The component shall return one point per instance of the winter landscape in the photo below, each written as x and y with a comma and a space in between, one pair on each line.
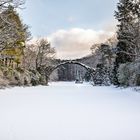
70, 70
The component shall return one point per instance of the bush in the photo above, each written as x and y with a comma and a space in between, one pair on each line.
129, 74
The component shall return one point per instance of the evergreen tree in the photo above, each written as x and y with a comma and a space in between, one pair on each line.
128, 14
13, 36
125, 46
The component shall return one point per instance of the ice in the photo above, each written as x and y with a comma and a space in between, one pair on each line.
69, 111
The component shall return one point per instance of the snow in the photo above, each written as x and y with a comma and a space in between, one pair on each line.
68, 111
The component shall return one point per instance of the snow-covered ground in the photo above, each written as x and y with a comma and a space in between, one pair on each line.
68, 111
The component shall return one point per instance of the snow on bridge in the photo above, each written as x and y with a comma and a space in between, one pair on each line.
50, 69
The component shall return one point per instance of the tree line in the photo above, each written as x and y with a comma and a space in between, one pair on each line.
117, 60
20, 63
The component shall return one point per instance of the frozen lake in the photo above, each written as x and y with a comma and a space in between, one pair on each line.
69, 111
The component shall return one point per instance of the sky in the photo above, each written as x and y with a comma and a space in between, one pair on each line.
71, 26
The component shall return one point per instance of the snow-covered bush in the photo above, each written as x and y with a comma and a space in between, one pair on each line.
20, 77
129, 74
3, 82
101, 76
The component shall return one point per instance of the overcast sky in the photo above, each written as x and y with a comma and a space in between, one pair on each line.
72, 26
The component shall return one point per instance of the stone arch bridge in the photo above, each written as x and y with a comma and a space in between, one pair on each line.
50, 69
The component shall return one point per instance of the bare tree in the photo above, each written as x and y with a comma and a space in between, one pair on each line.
4, 4
45, 53
29, 60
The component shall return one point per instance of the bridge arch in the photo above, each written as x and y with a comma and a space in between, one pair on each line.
89, 69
